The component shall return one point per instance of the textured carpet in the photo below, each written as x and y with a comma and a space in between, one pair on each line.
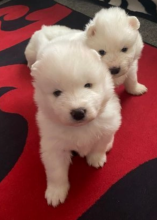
142, 8
125, 188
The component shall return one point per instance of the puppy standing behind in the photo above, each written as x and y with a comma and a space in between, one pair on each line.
114, 35
77, 110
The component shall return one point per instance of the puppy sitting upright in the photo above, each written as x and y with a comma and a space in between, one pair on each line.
77, 110
114, 35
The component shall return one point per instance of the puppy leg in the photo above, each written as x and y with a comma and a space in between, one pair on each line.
56, 162
131, 84
110, 145
97, 157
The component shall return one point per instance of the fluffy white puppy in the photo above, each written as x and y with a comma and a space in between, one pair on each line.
114, 35
77, 110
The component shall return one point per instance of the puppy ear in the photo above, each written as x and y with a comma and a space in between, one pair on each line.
34, 69
134, 22
90, 29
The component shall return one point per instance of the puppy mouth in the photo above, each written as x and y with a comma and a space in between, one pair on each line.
78, 124
118, 75
81, 123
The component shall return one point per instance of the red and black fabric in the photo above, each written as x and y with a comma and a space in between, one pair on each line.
125, 188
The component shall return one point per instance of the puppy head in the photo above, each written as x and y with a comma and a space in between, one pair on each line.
115, 36
71, 83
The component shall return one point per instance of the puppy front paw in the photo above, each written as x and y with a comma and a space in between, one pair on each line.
56, 194
139, 89
96, 159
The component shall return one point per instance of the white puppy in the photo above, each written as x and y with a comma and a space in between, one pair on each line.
114, 35
77, 110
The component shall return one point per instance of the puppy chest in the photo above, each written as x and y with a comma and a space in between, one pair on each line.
81, 143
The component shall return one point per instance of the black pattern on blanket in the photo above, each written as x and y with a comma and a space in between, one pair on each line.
142, 8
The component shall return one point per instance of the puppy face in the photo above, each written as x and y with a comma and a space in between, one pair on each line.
115, 36
71, 84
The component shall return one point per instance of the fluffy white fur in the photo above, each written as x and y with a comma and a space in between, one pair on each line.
69, 76
112, 31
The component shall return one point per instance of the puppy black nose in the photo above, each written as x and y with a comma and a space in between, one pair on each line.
78, 114
114, 70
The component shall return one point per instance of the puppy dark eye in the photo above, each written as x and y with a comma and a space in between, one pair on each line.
88, 85
124, 49
57, 93
102, 52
